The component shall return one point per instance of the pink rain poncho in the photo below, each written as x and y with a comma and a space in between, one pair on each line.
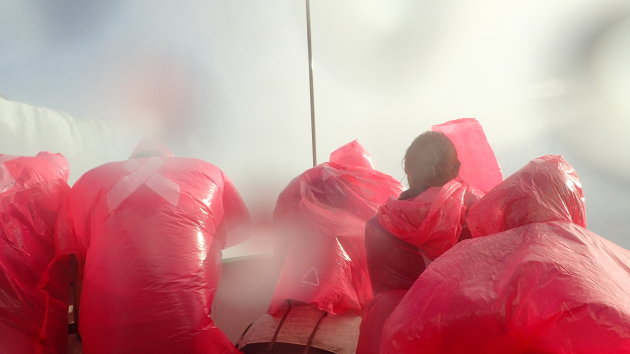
433, 221
407, 234
536, 282
34, 289
150, 232
325, 261
479, 166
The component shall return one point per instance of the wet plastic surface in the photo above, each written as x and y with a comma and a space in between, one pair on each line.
402, 240
33, 290
432, 221
479, 166
408, 233
540, 283
328, 207
150, 233
547, 189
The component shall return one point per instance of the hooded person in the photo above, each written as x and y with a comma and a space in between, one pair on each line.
532, 279
427, 219
149, 233
323, 282
34, 286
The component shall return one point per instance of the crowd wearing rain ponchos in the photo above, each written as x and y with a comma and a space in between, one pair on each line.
460, 262
532, 279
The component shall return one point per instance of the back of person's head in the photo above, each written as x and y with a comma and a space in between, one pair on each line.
151, 148
430, 161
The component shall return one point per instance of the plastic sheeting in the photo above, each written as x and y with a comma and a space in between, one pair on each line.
542, 284
479, 166
404, 237
328, 207
33, 291
150, 233
547, 189
433, 220
407, 234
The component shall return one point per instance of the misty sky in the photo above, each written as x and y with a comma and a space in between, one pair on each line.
229, 82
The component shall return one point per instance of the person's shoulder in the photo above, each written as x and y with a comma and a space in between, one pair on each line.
192, 163
374, 227
189, 166
100, 173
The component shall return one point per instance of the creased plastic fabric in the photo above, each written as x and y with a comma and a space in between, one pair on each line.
547, 189
408, 233
432, 221
33, 301
402, 240
541, 284
479, 166
150, 233
329, 204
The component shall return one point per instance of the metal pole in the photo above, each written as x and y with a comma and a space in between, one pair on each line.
310, 81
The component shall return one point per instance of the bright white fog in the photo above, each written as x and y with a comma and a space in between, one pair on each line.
227, 81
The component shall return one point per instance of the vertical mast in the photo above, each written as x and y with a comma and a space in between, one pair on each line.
310, 81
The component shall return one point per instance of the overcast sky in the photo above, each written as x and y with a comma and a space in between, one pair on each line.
228, 80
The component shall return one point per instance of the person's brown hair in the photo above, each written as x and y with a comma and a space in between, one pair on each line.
430, 161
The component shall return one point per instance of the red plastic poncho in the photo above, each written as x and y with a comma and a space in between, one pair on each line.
325, 261
150, 231
479, 166
404, 237
407, 234
432, 221
542, 284
33, 302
